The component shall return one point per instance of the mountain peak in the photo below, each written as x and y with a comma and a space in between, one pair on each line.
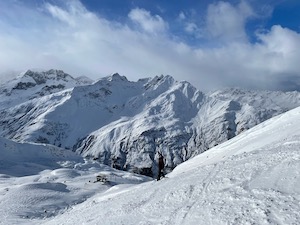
36, 83
162, 80
41, 77
117, 77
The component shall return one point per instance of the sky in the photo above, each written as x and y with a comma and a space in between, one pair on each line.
211, 44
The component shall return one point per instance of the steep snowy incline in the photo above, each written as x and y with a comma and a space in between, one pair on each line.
252, 179
160, 121
33, 84
75, 113
181, 123
19, 122
89, 108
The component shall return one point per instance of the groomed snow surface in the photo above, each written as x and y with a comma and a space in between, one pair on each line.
252, 179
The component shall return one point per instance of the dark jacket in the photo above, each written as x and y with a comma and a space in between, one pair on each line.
161, 163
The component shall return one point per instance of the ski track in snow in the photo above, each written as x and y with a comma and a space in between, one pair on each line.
216, 196
248, 185
254, 187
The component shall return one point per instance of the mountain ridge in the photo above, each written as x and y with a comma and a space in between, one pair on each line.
33, 84
123, 123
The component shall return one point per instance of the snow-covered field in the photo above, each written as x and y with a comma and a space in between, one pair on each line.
41, 181
252, 179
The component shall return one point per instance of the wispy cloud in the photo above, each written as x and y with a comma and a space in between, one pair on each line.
71, 38
152, 24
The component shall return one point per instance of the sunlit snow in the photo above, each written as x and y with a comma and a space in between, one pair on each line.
253, 178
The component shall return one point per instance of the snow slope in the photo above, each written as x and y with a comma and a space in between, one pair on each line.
40, 181
22, 159
253, 178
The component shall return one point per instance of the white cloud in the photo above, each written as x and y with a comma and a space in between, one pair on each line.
60, 14
281, 50
191, 27
226, 22
80, 42
151, 24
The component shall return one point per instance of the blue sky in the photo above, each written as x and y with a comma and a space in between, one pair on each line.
268, 12
211, 44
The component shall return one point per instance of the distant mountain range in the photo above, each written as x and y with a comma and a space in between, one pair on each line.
123, 124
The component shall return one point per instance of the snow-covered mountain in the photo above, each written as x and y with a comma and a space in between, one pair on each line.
33, 84
251, 179
123, 124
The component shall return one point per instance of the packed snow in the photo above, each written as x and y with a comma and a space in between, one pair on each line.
254, 178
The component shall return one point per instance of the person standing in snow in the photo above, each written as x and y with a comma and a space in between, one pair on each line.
161, 166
